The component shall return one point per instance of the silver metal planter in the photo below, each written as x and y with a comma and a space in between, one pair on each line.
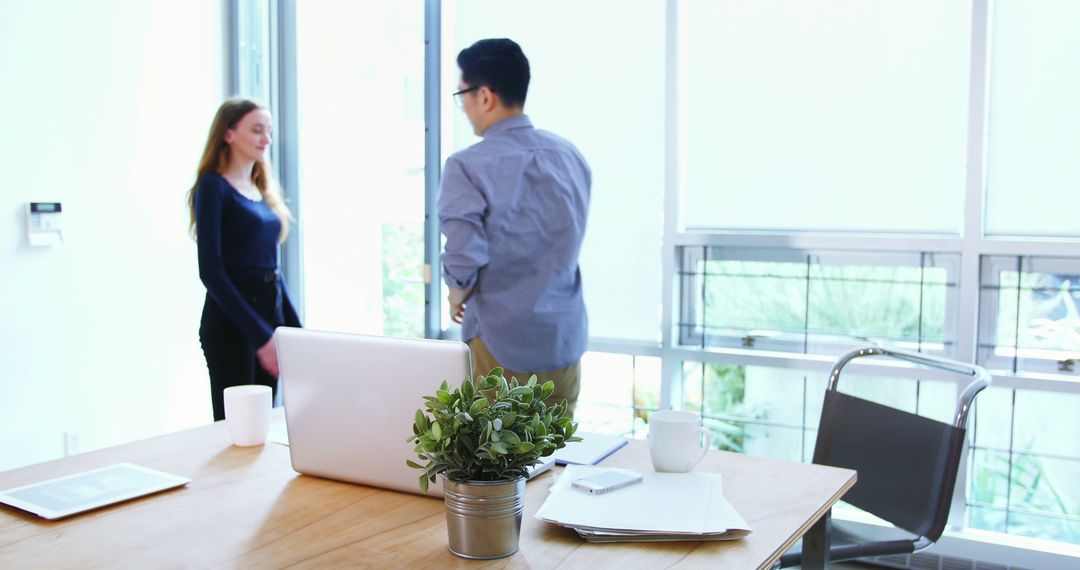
483, 518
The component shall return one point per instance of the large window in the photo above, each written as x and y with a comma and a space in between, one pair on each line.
612, 108
1030, 317
774, 183
848, 115
1033, 168
361, 158
1026, 464
822, 302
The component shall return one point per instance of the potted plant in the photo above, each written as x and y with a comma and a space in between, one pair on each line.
481, 445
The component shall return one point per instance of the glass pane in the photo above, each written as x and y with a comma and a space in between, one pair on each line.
597, 417
693, 385
1030, 313
647, 382
880, 302
617, 390
774, 395
1045, 527
818, 302
361, 151
937, 401
1047, 422
992, 418
582, 103
607, 379
1045, 484
986, 519
768, 399
815, 398
772, 441
1032, 170
805, 134
990, 478
753, 297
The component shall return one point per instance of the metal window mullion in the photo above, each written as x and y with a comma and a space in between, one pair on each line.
670, 389
232, 31
284, 99
432, 167
974, 209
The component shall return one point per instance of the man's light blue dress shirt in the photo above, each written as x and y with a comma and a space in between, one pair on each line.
513, 209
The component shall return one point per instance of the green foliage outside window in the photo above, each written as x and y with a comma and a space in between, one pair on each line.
1035, 491
849, 301
403, 279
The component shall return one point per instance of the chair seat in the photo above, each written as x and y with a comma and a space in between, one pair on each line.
848, 544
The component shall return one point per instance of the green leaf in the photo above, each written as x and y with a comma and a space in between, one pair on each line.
464, 417
520, 391
413, 464
499, 448
444, 397
496, 372
547, 389
478, 405
436, 431
509, 418
497, 424
524, 447
510, 438
532, 381
423, 484
467, 390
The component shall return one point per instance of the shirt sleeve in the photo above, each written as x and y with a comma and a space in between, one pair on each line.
462, 207
209, 205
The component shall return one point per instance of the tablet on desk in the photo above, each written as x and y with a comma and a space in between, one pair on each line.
66, 496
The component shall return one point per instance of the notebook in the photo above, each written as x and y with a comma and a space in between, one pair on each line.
81, 492
592, 448
350, 401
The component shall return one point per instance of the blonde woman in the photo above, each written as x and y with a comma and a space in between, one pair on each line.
238, 219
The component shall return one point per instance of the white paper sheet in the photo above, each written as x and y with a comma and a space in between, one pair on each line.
662, 503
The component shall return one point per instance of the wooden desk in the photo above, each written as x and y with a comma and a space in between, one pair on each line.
246, 507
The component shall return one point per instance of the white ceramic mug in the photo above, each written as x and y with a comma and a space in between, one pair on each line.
247, 413
677, 441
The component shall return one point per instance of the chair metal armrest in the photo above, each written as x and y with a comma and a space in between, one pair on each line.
980, 377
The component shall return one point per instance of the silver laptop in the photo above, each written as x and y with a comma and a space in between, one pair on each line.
350, 401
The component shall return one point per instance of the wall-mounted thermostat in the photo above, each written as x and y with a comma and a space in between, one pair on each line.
43, 223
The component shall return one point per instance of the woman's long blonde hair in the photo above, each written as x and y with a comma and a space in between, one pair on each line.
216, 156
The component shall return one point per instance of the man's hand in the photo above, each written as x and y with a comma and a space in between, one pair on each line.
457, 312
457, 298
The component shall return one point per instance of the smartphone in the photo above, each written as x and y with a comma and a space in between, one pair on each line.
606, 481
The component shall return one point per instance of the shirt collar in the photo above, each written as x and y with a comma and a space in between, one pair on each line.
516, 122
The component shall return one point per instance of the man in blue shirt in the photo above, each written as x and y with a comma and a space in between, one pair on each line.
513, 209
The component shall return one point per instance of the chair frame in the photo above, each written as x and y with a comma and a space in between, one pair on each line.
980, 380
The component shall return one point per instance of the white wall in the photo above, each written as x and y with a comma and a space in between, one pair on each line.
104, 107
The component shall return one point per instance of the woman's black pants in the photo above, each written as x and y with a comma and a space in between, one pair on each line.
229, 355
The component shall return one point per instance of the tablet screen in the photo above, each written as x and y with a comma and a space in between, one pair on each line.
65, 496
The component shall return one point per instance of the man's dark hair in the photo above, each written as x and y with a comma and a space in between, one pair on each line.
498, 64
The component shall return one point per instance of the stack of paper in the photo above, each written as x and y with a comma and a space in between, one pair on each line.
663, 507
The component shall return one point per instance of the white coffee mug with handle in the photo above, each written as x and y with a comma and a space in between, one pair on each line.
677, 442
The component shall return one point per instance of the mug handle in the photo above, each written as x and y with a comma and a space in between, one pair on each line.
704, 448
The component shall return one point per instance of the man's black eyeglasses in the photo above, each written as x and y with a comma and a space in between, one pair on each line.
458, 99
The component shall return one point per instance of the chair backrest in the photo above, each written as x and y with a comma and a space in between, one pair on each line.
907, 464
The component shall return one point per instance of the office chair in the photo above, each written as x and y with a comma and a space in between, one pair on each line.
906, 464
